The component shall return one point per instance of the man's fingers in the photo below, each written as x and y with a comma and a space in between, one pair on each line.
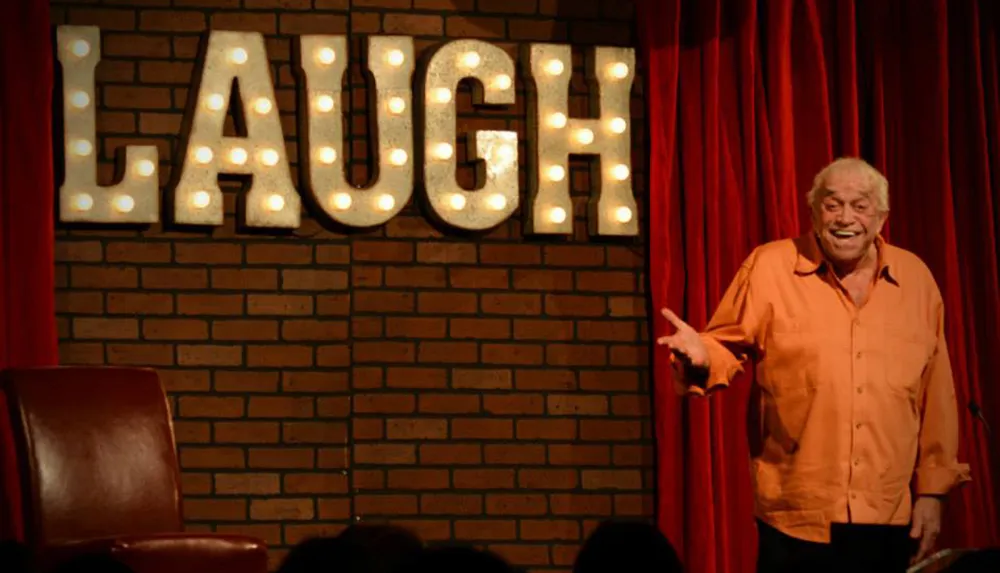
917, 531
674, 319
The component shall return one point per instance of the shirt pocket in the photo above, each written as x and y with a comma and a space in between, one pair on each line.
907, 347
792, 354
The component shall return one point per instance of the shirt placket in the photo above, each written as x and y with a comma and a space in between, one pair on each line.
858, 376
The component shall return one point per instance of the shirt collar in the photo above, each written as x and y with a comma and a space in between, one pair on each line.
811, 259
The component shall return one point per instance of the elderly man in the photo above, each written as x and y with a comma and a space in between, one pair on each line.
856, 384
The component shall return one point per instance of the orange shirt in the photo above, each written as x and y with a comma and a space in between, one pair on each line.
854, 401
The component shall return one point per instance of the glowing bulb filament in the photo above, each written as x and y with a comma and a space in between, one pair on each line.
327, 155
585, 136
342, 201
443, 151
496, 202
238, 155
263, 106
145, 168
238, 56
395, 58
502, 82
269, 157
619, 71
442, 95
554, 67
275, 202
620, 172
124, 203
386, 202
398, 157
457, 201
397, 105
200, 199
557, 173
557, 215
326, 56
623, 214
471, 60
618, 125
324, 103
557, 120
203, 155
215, 102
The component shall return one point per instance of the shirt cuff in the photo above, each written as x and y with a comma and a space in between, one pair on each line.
941, 480
723, 367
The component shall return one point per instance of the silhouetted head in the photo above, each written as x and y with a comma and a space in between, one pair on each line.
459, 559
391, 548
627, 547
327, 555
92, 563
15, 557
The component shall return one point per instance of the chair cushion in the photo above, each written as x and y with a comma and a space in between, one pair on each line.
168, 553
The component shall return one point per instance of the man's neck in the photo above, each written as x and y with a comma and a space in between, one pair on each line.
866, 263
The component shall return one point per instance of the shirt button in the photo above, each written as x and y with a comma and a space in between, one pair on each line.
858, 354
854, 496
857, 426
860, 389
856, 463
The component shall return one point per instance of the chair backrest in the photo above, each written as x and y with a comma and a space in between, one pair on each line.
96, 451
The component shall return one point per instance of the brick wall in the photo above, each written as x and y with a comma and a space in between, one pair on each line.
489, 388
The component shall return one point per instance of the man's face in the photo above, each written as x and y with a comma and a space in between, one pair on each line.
846, 218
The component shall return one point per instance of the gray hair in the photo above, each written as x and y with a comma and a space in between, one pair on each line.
879, 184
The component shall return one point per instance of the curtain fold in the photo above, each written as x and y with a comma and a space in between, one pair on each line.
27, 305
748, 100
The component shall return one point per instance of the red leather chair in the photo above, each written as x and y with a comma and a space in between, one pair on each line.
99, 472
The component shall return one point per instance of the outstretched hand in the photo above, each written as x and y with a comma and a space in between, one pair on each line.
686, 344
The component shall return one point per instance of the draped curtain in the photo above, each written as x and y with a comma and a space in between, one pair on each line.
27, 306
747, 100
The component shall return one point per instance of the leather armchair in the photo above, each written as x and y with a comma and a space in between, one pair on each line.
95, 448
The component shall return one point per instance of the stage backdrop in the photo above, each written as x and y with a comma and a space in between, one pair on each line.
748, 99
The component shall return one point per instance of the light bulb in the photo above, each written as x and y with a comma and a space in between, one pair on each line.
83, 202
82, 147
502, 82
79, 48
275, 202
79, 99
619, 70
471, 59
262, 106
324, 103
442, 95
397, 157
327, 155
215, 102
554, 67
326, 56
585, 136
269, 157
443, 151
620, 172
203, 155
505, 152
200, 199
496, 201
556, 173
557, 215
618, 125
145, 168
124, 203
342, 201
623, 214
238, 56
557, 120
457, 201
395, 58
386, 202
238, 156
397, 105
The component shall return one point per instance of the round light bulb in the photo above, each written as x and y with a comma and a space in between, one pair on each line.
397, 157
554, 67
83, 202
502, 82
496, 201
79, 48
623, 214
79, 99
275, 202
238, 156
82, 147
324, 103
457, 201
263, 106
619, 70
124, 203
238, 56
342, 201
397, 105
557, 215
203, 155
620, 172
145, 168
585, 136
471, 59
443, 151
326, 56
200, 199
395, 57
618, 125
327, 155
269, 157
557, 120
556, 173
442, 95
386, 202
215, 102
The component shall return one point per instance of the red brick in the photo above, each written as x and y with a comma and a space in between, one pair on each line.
174, 329
192, 432
476, 278
313, 280
333, 254
384, 351
318, 483
172, 21
609, 430
153, 123
245, 330
279, 304
105, 328
78, 251
450, 454
385, 454
382, 3
245, 381
138, 252
510, 254
416, 377
417, 429
630, 405
609, 380
620, 331
511, 354
412, 327
575, 305
543, 279
624, 306
209, 304
612, 479
633, 455
368, 479
333, 356
247, 432
366, 327
382, 251
549, 529
365, 429
474, 27
547, 479
279, 254
446, 303
383, 403
104, 277
516, 504
281, 458
422, 479
629, 355
247, 483
281, 509
298, 24
314, 330
268, 533
335, 407
314, 432
140, 354
446, 253
296, 533
136, 97
378, 301
385, 504
139, 303
531, 454
214, 458
576, 355
448, 352
215, 509
508, 6
634, 504
449, 404
184, 380
508, 404
196, 484
333, 305
546, 429
334, 509
135, 46
486, 530
580, 504
427, 277
577, 405
243, 279
245, 22
517, 304
537, 30
579, 455
482, 379
451, 504
223, 253
107, 19
207, 3
480, 328
293, 381
209, 355
280, 407
484, 479
210, 407
174, 278
366, 276
413, 24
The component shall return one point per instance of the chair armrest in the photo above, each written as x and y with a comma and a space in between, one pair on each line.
170, 553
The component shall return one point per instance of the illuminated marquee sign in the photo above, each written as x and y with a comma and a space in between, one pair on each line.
272, 200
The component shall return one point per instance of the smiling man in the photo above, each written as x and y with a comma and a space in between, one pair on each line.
857, 398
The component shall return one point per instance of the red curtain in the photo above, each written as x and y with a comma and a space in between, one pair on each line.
27, 306
748, 99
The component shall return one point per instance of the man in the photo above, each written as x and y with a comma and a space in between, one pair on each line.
857, 396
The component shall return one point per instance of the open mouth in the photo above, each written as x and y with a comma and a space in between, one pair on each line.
844, 235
